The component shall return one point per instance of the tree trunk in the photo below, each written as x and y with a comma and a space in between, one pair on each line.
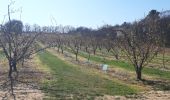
116, 56
62, 50
86, 49
77, 51
163, 57
94, 51
76, 57
14, 64
58, 49
89, 57
138, 73
139, 76
15, 69
11, 78
10, 71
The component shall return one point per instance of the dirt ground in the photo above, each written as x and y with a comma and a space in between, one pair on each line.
25, 86
22, 93
151, 95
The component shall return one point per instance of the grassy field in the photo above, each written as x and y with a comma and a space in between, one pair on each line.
76, 82
127, 66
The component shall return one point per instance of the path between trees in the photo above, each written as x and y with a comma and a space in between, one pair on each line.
127, 77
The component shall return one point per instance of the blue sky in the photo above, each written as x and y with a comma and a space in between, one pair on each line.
89, 13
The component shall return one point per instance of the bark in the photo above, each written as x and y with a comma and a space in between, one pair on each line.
76, 57
10, 71
94, 51
11, 78
62, 51
58, 49
138, 73
89, 57
14, 64
86, 49
117, 57
163, 61
77, 54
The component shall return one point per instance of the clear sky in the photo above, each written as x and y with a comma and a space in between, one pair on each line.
89, 13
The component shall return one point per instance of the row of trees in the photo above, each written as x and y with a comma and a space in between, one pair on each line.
46, 29
164, 20
140, 41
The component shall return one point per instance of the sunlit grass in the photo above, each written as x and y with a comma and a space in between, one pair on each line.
78, 82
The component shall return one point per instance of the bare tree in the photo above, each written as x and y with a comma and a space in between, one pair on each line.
86, 45
27, 28
75, 44
94, 43
16, 45
141, 43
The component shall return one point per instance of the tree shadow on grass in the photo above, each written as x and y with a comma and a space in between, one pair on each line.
158, 84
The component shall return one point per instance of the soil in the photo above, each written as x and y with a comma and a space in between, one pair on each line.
22, 92
25, 86
151, 95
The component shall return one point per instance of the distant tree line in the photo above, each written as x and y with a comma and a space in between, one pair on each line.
106, 30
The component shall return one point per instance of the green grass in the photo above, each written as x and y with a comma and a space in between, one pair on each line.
79, 82
129, 67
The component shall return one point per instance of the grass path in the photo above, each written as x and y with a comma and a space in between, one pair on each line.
77, 82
